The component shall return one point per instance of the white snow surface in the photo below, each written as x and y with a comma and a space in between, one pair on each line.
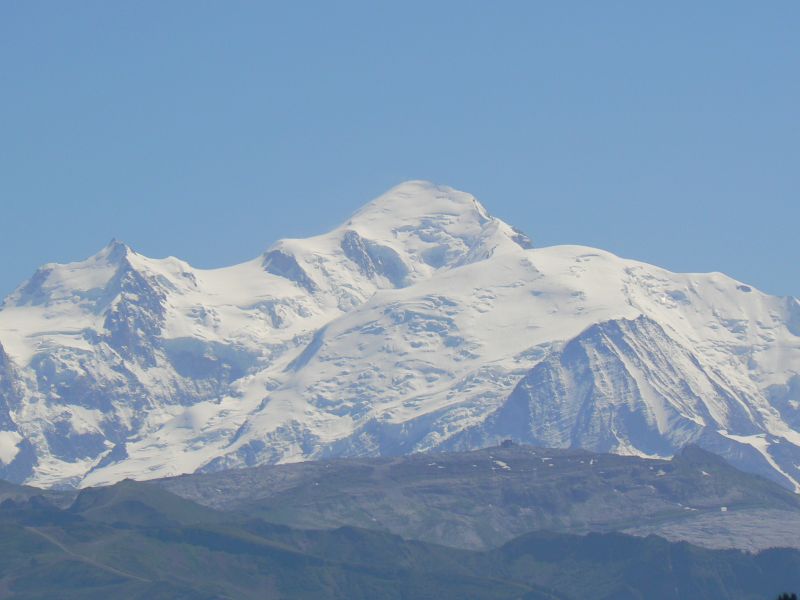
422, 322
8, 446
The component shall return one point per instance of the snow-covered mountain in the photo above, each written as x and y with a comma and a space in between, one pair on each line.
420, 323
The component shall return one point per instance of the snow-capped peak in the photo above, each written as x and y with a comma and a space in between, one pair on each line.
113, 252
53, 282
405, 235
412, 203
421, 322
436, 225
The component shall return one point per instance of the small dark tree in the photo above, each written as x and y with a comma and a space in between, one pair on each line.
787, 597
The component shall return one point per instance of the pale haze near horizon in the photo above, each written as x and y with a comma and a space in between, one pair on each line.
666, 133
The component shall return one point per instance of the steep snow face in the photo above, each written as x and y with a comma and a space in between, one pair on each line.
626, 386
16, 453
421, 322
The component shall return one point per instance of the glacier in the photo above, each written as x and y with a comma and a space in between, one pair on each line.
420, 323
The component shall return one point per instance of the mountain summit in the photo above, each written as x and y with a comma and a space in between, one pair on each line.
421, 322
408, 234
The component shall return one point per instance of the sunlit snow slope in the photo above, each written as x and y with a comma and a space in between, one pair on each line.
420, 323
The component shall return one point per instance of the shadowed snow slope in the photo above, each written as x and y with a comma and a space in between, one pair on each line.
420, 323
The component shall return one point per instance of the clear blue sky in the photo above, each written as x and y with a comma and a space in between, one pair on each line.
663, 131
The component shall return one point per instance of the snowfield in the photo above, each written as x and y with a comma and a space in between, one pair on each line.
420, 323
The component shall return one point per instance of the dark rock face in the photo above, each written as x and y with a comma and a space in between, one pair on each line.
21, 465
137, 317
374, 259
522, 240
285, 265
8, 391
